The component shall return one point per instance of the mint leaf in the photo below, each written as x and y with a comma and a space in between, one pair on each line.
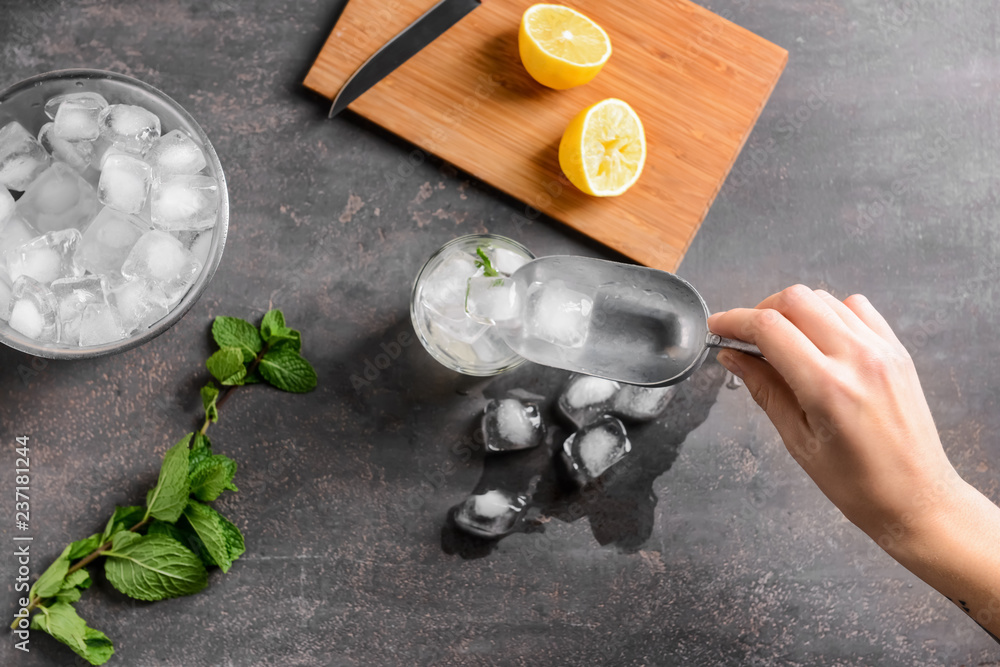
208, 524
484, 261
288, 371
226, 366
52, 579
285, 339
122, 519
83, 547
62, 622
273, 321
167, 499
234, 332
253, 378
201, 449
209, 397
183, 533
153, 567
211, 476
72, 586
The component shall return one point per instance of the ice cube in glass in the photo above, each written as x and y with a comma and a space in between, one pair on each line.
46, 258
5, 293
15, 232
58, 199
176, 153
33, 310
7, 205
72, 296
22, 158
76, 120
140, 304
125, 181
108, 240
76, 154
492, 300
161, 259
94, 99
129, 127
184, 202
99, 325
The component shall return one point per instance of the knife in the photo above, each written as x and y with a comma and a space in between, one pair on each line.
431, 25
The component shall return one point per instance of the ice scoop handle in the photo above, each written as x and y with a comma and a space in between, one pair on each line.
715, 340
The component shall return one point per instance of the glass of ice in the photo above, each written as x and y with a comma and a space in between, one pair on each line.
437, 304
114, 180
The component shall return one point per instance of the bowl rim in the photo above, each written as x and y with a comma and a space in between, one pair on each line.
28, 346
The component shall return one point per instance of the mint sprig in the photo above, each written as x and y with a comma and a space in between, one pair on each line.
487, 265
164, 549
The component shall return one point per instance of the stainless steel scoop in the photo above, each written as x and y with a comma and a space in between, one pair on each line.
617, 321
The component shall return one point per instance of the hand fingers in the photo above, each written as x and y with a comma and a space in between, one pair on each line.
787, 349
866, 312
813, 316
771, 393
847, 316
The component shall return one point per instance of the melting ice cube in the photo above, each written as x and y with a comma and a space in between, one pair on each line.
76, 120
507, 261
22, 158
592, 450
16, 232
443, 291
491, 300
586, 397
46, 258
491, 514
140, 304
642, 403
176, 153
108, 241
76, 154
161, 259
183, 201
125, 181
52, 104
100, 324
72, 296
510, 424
558, 314
58, 199
129, 127
33, 310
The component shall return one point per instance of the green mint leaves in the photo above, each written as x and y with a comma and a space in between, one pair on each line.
164, 549
486, 264
248, 355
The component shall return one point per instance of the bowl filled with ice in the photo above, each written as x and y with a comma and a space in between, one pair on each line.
113, 213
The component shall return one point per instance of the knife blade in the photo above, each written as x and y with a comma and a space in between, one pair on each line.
431, 25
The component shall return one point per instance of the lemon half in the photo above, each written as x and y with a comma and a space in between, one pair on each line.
560, 47
603, 149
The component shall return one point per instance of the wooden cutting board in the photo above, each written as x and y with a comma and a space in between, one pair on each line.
697, 81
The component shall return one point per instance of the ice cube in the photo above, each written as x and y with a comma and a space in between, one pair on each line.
76, 120
586, 397
125, 181
140, 304
33, 310
108, 241
183, 201
591, 451
464, 330
161, 259
100, 325
22, 158
507, 261
5, 292
7, 205
443, 291
201, 247
76, 154
176, 153
46, 258
94, 99
558, 314
491, 300
129, 127
642, 403
16, 232
72, 296
58, 199
510, 424
491, 514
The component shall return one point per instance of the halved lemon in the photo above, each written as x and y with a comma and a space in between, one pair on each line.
603, 149
560, 47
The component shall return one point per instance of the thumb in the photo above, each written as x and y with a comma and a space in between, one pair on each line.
770, 391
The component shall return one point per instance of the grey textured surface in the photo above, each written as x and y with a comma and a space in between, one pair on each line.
873, 169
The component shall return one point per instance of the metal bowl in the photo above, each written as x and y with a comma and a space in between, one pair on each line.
24, 102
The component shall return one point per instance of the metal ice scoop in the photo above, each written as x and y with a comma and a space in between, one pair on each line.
617, 321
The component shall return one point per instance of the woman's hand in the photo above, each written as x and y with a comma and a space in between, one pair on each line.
844, 395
